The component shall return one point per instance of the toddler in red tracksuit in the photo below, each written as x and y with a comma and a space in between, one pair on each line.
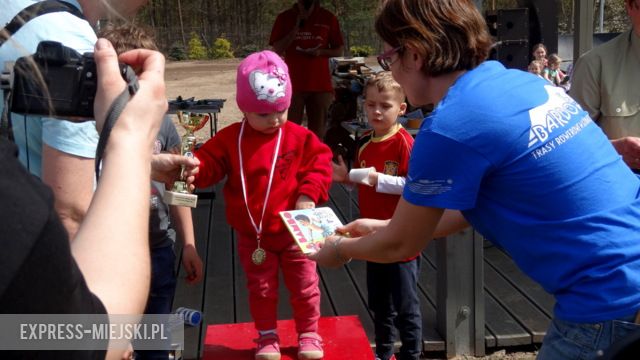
271, 165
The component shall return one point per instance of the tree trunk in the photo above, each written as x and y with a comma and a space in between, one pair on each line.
184, 40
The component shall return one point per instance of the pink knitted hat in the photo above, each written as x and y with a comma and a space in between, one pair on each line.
262, 83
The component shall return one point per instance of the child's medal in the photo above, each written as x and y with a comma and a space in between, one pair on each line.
259, 255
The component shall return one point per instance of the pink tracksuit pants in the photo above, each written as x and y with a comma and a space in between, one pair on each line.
300, 277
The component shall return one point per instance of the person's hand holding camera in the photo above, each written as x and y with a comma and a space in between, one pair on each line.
144, 111
116, 225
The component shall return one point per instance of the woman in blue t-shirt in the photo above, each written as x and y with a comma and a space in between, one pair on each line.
519, 160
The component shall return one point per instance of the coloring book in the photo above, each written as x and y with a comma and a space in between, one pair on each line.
309, 227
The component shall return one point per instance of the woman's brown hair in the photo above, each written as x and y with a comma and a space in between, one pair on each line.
450, 35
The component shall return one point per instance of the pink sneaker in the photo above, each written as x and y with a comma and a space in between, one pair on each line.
268, 347
310, 346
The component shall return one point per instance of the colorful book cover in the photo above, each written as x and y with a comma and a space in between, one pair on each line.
309, 227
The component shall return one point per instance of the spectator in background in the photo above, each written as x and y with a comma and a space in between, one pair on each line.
605, 82
61, 153
539, 52
536, 67
308, 35
552, 72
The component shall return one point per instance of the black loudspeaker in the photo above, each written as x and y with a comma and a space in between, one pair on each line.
512, 35
512, 24
513, 53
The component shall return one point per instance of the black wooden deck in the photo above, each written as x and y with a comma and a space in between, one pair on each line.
517, 311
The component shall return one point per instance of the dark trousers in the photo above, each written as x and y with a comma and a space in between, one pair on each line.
393, 298
316, 105
161, 291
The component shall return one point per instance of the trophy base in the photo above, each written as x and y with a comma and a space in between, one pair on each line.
180, 199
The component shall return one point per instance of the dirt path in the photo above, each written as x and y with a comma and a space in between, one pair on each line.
205, 80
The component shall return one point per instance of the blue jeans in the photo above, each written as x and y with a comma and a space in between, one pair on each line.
393, 298
161, 291
576, 341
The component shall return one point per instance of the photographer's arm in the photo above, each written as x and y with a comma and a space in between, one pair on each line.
115, 229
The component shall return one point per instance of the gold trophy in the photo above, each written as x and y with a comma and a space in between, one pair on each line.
179, 194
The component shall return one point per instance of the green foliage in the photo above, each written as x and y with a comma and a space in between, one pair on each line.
177, 53
221, 49
356, 21
196, 51
362, 50
247, 23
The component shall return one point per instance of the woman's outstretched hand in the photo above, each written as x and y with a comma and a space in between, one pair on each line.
329, 254
362, 227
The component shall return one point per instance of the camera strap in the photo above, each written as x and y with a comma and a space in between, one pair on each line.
33, 11
5, 120
116, 108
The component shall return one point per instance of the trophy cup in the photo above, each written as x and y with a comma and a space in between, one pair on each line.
179, 194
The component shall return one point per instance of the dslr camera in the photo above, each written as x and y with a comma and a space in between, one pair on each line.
56, 81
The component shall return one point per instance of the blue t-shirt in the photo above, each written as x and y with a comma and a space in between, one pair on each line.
532, 172
79, 139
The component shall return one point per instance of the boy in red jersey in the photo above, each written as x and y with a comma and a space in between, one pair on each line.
393, 291
271, 165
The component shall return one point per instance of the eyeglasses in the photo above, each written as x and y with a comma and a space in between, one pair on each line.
384, 59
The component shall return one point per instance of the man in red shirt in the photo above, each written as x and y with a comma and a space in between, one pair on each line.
308, 35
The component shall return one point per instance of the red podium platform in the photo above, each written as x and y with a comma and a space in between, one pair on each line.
343, 337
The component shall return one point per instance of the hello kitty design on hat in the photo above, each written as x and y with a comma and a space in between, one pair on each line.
268, 86
263, 83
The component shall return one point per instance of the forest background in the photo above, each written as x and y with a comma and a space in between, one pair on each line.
202, 29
